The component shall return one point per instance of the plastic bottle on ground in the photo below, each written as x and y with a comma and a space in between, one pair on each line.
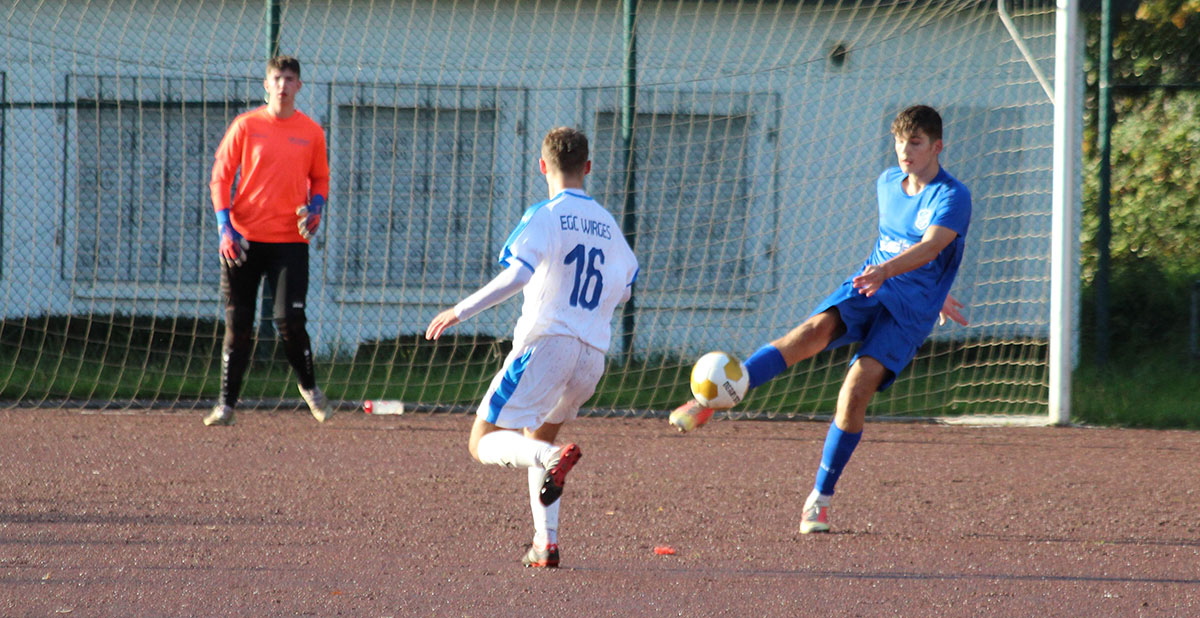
383, 406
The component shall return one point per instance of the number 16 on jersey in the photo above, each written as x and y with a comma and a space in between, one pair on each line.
589, 281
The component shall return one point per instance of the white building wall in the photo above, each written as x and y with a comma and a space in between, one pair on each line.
819, 133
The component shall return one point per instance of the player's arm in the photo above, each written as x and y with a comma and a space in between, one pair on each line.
308, 216
932, 242
501, 288
225, 165
232, 246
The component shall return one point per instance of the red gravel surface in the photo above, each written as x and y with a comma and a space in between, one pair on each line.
155, 514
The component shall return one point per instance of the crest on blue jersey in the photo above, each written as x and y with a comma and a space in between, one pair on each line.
924, 216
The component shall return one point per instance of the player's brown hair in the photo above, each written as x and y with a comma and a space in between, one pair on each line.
918, 118
284, 63
565, 149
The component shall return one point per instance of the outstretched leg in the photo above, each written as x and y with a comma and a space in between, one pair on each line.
800, 343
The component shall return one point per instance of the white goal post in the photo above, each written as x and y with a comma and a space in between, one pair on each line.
1065, 234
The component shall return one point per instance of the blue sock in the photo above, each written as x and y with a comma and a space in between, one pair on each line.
766, 363
839, 446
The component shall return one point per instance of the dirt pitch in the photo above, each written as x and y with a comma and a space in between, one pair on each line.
151, 513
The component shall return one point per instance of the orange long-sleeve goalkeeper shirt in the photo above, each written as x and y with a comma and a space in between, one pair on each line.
282, 160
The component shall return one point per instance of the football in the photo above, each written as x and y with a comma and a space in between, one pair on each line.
719, 380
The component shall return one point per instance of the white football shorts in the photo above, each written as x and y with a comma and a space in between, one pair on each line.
544, 381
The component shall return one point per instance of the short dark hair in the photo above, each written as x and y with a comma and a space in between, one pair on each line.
918, 118
284, 63
565, 149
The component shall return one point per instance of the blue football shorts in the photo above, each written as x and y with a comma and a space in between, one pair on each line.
883, 338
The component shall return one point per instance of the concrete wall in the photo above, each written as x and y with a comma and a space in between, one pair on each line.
813, 138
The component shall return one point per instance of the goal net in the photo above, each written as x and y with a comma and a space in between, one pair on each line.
738, 143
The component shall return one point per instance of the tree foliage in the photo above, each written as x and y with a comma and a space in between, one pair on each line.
1155, 180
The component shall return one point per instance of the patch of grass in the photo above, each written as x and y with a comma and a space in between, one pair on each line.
1158, 390
113, 359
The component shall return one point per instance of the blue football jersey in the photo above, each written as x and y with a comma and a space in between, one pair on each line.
916, 297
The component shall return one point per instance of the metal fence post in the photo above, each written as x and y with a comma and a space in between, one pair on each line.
1194, 330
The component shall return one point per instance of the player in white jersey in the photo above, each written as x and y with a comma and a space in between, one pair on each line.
574, 265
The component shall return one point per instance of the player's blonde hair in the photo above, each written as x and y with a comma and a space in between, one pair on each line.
565, 149
918, 118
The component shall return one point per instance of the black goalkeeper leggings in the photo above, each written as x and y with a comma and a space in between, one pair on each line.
285, 266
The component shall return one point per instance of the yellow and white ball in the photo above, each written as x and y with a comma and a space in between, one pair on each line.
719, 380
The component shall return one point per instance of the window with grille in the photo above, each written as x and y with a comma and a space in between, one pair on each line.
415, 187
141, 160
702, 196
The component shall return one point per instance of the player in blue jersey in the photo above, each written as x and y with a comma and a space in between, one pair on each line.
572, 261
890, 305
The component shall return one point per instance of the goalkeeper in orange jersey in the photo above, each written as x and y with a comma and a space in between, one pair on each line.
265, 229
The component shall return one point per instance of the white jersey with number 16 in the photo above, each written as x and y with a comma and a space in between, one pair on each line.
582, 269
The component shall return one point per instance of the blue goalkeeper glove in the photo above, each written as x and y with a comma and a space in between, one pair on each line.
309, 216
233, 246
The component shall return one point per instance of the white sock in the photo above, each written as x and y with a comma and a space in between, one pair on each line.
817, 497
512, 449
545, 518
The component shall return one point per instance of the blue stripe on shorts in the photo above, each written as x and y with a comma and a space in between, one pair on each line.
508, 386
